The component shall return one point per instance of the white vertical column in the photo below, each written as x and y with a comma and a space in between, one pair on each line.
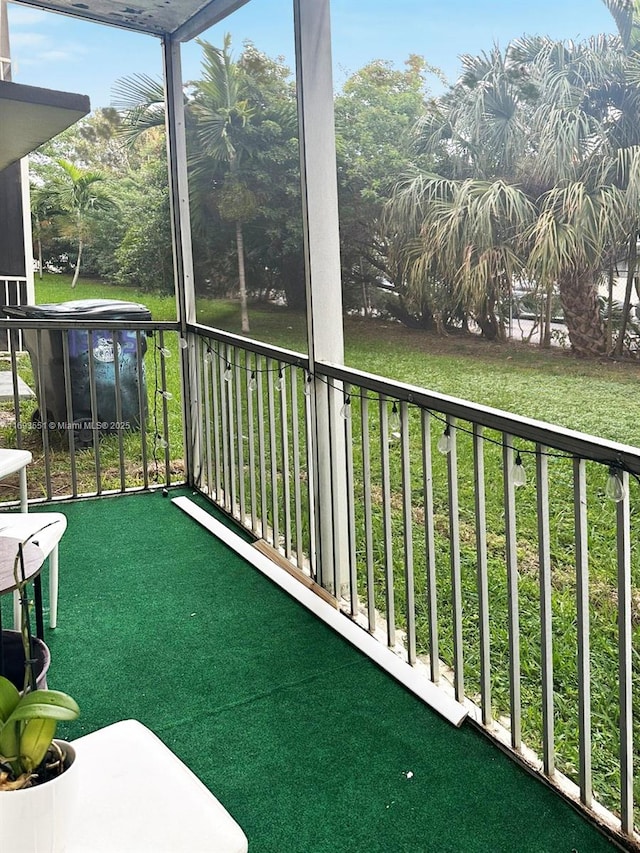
323, 283
182, 251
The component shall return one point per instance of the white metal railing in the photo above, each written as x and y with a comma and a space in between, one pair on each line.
521, 598
14, 290
107, 413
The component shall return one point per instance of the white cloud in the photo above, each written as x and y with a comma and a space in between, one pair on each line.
28, 40
20, 16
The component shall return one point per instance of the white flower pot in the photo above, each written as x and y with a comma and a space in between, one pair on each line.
36, 820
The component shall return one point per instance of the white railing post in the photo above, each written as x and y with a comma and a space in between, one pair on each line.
323, 284
182, 253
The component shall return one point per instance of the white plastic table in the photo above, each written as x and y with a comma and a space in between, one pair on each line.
12, 461
136, 796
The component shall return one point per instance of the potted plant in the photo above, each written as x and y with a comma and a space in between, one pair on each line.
38, 777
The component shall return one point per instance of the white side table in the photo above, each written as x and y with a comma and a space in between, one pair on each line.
136, 796
12, 461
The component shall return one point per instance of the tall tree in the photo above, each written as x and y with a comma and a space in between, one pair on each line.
375, 113
78, 194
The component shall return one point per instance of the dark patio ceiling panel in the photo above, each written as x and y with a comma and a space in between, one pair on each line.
30, 116
157, 17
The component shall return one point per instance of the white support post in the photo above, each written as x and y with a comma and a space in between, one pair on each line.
182, 252
323, 282
28, 236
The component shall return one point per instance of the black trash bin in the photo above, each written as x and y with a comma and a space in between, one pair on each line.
48, 365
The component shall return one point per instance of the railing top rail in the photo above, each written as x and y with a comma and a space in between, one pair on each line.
4, 277
566, 440
109, 325
571, 442
277, 353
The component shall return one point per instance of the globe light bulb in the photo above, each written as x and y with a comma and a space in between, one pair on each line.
307, 385
182, 343
208, 356
167, 395
345, 411
165, 352
444, 442
227, 372
280, 381
394, 421
161, 441
518, 473
614, 488
253, 382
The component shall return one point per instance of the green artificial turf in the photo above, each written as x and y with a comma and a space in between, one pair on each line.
306, 742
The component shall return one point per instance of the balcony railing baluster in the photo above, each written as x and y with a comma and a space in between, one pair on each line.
546, 610
296, 456
625, 657
118, 408
482, 574
351, 515
262, 453
311, 495
240, 379
284, 459
367, 504
582, 612
387, 534
68, 401
232, 436
204, 383
143, 408
407, 527
224, 369
273, 460
512, 591
430, 546
454, 557
251, 390
165, 411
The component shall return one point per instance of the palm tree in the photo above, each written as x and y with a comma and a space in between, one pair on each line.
78, 193
223, 111
218, 114
43, 214
530, 130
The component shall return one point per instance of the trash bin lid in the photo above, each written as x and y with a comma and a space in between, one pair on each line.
81, 309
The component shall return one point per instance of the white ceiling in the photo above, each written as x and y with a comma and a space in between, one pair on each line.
183, 19
30, 116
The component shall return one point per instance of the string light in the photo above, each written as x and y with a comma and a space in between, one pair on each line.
518, 473
165, 352
166, 394
345, 411
307, 384
182, 343
208, 356
445, 444
614, 488
394, 421
161, 441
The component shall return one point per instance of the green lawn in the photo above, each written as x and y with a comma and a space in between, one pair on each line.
598, 397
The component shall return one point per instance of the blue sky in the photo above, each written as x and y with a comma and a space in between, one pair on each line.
62, 53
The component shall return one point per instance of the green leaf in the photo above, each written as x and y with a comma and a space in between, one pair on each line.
35, 740
9, 698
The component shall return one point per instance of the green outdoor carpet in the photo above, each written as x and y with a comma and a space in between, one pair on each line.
306, 742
